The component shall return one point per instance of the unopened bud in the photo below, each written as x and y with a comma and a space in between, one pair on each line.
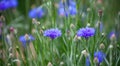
34, 21
27, 37
11, 29
103, 34
88, 9
8, 64
49, 64
88, 24
34, 31
10, 55
85, 53
111, 46
100, 12
77, 38
102, 46
77, 56
61, 63
16, 60
96, 60
72, 25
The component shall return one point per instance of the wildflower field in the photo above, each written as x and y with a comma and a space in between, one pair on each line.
59, 33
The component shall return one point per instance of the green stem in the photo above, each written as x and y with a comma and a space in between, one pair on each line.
52, 52
110, 57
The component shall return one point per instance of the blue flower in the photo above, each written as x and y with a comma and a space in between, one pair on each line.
36, 12
86, 32
26, 39
67, 8
52, 33
5, 4
100, 56
12, 3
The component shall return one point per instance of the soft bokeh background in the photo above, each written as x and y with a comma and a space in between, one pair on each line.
65, 46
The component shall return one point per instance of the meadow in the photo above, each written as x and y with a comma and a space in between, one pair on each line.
59, 33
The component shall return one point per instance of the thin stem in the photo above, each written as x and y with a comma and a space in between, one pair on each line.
110, 57
52, 51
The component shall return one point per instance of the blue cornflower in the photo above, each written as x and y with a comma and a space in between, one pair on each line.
36, 12
5, 4
12, 3
67, 8
26, 39
52, 33
100, 56
86, 32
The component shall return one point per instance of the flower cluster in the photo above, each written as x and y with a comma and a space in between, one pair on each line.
52, 33
66, 8
36, 12
5, 4
26, 39
86, 32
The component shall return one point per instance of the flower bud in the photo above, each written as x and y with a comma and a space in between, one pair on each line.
72, 25
27, 37
88, 9
100, 12
8, 64
85, 53
49, 64
102, 46
88, 24
96, 60
61, 63
11, 29
77, 38
110, 46
10, 55
103, 34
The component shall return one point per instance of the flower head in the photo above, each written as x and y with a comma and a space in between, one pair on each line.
100, 56
26, 39
52, 33
13, 3
36, 12
5, 4
86, 32
67, 8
